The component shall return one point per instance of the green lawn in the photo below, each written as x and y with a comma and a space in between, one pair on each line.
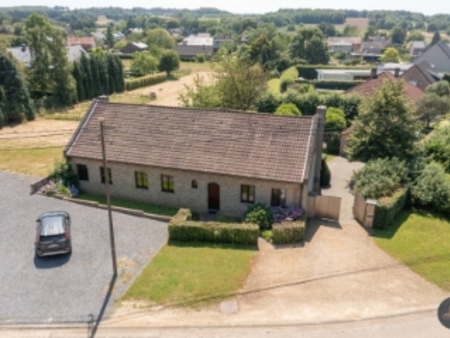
329, 157
192, 273
146, 207
421, 241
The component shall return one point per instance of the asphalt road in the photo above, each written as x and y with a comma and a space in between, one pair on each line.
65, 288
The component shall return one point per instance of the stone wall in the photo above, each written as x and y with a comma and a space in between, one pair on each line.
124, 186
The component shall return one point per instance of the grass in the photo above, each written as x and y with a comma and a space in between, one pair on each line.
74, 114
30, 161
329, 157
420, 240
195, 67
146, 207
192, 273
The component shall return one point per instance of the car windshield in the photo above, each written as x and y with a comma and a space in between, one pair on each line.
52, 225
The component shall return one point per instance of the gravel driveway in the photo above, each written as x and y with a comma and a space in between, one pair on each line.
65, 288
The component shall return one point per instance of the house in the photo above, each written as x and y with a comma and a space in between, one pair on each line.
368, 89
132, 47
99, 37
376, 47
438, 56
416, 48
118, 36
344, 44
421, 75
23, 54
87, 42
219, 39
201, 39
199, 159
392, 67
175, 32
343, 74
190, 52
134, 30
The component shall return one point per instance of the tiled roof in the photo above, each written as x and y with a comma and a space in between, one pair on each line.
194, 50
242, 144
344, 39
85, 40
369, 87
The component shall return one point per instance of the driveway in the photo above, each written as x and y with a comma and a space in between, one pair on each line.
65, 288
341, 173
338, 274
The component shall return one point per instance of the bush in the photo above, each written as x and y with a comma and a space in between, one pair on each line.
335, 120
325, 174
289, 232
341, 55
285, 83
145, 81
330, 84
432, 189
259, 214
333, 143
267, 103
437, 147
63, 172
201, 58
288, 109
267, 235
388, 208
274, 74
381, 178
288, 78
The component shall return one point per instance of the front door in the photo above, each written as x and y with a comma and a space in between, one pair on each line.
213, 196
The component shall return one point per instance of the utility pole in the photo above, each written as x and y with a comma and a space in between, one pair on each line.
108, 198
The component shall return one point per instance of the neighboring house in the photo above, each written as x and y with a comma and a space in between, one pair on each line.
344, 44
219, 39
134, 30
438, 56
376, 47
421, 75
368, 89
201, 39
132, 47
343, 74
87, 42
23, 54
99, 37
190, 52
175, 32
393, 67
199, 159
416, 48
118, 36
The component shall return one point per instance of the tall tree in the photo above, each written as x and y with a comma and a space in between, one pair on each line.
385, 126
390, 55
317, 51
78, 74
87, 77
109, 37
159, 37
309, 44
431, 106
398, 35
15, 100
119, 79
436, 38
143, 63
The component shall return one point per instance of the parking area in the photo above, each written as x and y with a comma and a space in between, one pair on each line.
65, 288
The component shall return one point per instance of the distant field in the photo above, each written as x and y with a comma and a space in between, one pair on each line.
361, 23
429, 36
102, 20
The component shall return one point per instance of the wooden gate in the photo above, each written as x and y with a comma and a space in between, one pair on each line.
364, 211
328, 207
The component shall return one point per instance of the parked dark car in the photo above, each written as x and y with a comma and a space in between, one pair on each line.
53, 234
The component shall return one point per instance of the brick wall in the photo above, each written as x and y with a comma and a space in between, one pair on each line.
124, 186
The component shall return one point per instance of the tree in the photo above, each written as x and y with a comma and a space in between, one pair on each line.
335, 120
398, 35
309, 44
288, 109
143, 63
201, 95
159, 37
441, 88
415, 36
327, 29
267, 103
384, 127
15, 101
78, 74
109, 37
436, 38
169, 61
437, 147
317, 51
370, 31
390, 55
430, 106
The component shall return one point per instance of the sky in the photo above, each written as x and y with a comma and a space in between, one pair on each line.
239, 6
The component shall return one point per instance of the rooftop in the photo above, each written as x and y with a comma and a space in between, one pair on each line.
253, 145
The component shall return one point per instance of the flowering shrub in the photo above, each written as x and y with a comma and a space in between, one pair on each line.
58, 188
286, 214
259, 214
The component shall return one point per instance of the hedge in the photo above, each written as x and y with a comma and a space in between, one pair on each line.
183, 229
332, 85
309, 71
289, 232
388, 209
145, 81
446, 77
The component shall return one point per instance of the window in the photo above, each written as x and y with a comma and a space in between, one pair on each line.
194, 184
102, 175
82, 171
141, 179
247, 193
167, 183
278, 197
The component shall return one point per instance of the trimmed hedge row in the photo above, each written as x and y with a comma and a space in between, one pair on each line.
332, 85
309, 71
183, 229
289, 232
388, 209
145, 81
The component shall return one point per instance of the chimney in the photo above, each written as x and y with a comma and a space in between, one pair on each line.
23, 47
397, 72
320, 115
373, 73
